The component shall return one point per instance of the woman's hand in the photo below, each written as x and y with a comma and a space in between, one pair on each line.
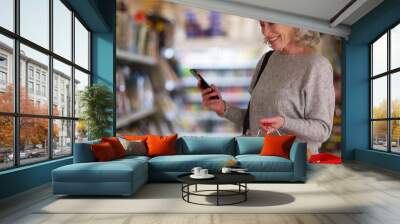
216, 105
272, 124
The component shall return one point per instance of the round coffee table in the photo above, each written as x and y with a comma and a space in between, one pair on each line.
238, 179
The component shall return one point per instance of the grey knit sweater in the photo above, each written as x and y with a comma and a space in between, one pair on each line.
296, 87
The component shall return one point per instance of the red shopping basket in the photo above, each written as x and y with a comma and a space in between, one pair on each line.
325, 158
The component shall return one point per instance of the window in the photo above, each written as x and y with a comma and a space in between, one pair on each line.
44, 91
6, 142
81, 45
62, 137
47, 74
34, 21
81, 81
3, 78
55, 99
385, 94
43, 77
38, 89
30, 72
62, 75
7, 14
62, 29
3, 72
3, 61
3, 81
37, 75
33, 149
30, 87
7, 73
395, 47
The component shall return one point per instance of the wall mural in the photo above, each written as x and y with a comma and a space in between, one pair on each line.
161, 97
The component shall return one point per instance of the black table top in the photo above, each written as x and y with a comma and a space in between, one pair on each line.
220, 178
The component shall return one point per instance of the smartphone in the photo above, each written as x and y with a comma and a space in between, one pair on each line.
203, 83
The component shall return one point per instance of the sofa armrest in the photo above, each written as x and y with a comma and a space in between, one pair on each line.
298, 157
83, 152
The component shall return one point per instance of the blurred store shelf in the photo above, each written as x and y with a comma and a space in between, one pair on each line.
218, 81
202, 115
219, 66
128, 119
229, 97
128, 57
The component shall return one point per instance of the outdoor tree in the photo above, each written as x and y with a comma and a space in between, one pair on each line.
396, 123
380, 127
33, 131
6, 122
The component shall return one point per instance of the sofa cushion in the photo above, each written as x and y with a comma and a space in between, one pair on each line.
83, 152
131, 158
103, 152
111, 171
161, 145
135, 137
116, 145
198, 145
134, 147
249, 145
185, 163
257, 163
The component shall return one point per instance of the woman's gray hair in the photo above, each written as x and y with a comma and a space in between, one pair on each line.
307, 37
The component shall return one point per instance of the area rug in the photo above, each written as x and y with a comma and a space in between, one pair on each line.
166, 198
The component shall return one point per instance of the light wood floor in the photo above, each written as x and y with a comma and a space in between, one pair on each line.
378, 188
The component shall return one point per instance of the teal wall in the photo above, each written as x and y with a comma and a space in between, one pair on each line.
103, 53
356, 124
99, 16
24, 178
356, 103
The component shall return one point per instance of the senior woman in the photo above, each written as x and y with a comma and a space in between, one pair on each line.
294, 92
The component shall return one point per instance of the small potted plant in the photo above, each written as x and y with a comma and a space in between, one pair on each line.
96, 102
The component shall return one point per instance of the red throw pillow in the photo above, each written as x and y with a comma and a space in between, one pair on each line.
161, 145
116, 145
135, 137
103, 151
277, 145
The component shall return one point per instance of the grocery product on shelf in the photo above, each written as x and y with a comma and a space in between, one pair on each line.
143, 104
138, 32
134, 91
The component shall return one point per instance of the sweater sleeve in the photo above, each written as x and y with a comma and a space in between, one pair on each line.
234, 114
319, 95
237, 114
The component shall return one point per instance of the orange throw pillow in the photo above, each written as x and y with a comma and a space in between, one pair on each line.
277, 145
103, 152
161, 145
135, 137
116, 145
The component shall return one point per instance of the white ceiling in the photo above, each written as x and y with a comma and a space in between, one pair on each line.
309, 14
321, 9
